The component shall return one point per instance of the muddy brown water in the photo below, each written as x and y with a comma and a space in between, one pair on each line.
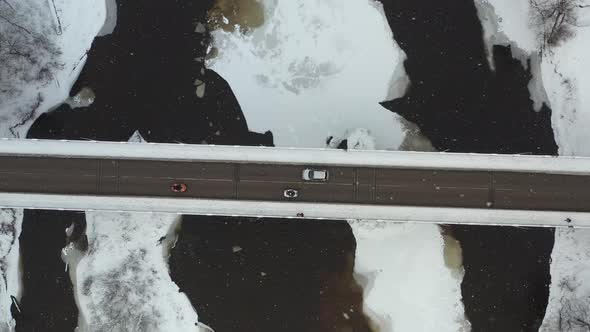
227, 14
286, 276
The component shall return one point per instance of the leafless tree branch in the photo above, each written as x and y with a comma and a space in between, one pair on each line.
15, 24
59, 29
8, 4
553, 19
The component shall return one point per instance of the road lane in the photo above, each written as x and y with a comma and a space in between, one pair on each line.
265, 182
180, 170
308, 192
52, 166
432, 188
554, 192
292, 173
145, 186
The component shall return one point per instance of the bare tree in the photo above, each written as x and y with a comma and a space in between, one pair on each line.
574, 314
554, 20
27, 51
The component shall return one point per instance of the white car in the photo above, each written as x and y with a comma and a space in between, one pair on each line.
315, 174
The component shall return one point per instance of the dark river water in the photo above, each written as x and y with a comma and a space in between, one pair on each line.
295, 276
463, 106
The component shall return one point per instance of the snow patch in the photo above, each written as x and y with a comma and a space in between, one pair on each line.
122, 281
10, 285
583, 15
84, 98
505, 23
361, 139
136, 138
414, 140
200, 90
357, 139
536, 87
568, 309
566, 76
71, 25
111, 18
322, 66
407, 286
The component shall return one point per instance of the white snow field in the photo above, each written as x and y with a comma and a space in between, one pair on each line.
569, 299
122, 282
323, 66
80, 21
407, 286
10, 228
319, 211
566, 77
318, 71
562, 80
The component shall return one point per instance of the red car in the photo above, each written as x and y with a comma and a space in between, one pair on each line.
178, 187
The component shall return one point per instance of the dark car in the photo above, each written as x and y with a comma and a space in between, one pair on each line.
178, 187
290, 193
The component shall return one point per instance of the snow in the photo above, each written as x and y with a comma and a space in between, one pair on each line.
110, 21
566, 75
562, 80
568, 309
84, 98
357, 139
313, 156
361, 139
322, 66
80, 21
23, 26
583, 16
407, 285
200, 90
415, 140
320, 211
122, 281
10, 228
506, 22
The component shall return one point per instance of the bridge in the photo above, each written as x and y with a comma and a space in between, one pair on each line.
449, 188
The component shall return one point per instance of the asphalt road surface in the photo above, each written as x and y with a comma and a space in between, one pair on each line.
380, 186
